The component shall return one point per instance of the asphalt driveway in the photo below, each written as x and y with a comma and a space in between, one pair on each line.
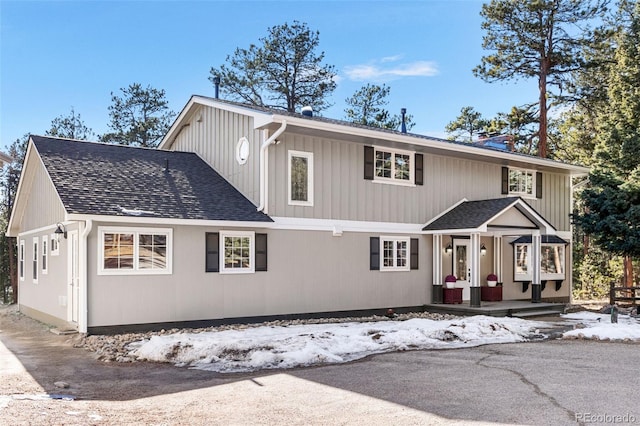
543, 383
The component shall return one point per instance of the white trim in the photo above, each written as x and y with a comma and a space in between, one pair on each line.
523, 170
136, 270
303, 224
159, 221
392, 180
252, 248
395, 239
309, 157
44, 253
35, 259
243, 143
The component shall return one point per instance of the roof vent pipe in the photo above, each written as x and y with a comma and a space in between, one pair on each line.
403, 112
216, 83
307, 111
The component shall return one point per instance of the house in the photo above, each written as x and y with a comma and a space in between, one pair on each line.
246, 212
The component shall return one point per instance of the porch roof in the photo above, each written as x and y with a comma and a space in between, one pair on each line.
480, 215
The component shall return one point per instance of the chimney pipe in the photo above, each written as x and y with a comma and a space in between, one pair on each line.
403, 112
216, 83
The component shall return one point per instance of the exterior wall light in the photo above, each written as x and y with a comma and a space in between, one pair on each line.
483, 250
60, 230
448, 249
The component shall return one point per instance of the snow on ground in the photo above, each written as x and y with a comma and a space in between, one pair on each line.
596, 326
268, 347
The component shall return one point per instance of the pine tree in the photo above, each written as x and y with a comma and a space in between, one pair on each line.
367, 106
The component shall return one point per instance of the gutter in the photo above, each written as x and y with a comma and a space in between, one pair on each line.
264, 166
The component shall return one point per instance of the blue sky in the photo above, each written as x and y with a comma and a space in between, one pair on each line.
58, 55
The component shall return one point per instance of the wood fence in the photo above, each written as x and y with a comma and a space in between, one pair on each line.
623, 294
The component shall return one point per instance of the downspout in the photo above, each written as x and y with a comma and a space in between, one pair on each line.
84, 275
264, 165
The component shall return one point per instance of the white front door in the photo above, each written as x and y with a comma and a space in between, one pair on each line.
461, 267
73, 275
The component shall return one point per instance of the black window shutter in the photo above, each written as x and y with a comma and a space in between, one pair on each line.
261, 252
538, 184
419, 179
213, 252
374, 253
414, 253
505, 180
369, 162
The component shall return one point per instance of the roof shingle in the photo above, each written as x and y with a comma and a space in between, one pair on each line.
470, 214
101, 179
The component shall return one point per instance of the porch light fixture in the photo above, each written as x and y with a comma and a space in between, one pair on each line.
60, 230
448, 249
483, 250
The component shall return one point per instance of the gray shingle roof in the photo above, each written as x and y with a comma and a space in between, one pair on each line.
470, 214
546, 239
101, 179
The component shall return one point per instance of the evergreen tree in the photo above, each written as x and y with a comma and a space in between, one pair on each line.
540, 39
283, 72
140, 117
70, 127
612, 199
367, 106
467, 125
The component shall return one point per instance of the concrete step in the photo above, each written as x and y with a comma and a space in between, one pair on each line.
537, 313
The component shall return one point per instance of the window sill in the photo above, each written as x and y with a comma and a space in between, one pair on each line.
394, 182
237, 272
134, 272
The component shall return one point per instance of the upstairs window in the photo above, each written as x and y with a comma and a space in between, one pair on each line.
393, 166
300, 178
386, 165
521, 182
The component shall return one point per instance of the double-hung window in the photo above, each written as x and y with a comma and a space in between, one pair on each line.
21, 260
45, 255
300, 178
36, 254
141, 251
395, 253
393, 166
54, 245
237, 250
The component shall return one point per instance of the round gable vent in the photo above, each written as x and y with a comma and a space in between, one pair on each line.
242, 150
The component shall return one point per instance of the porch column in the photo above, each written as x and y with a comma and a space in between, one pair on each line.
536, 285
497, 257
436, 290
474, 273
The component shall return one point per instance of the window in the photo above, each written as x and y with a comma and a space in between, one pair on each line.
54, 246
45, 254
393, 166
143, 251
552, 260
213, 253
36, 254
522, 259
237, 252
21, 261
395, 253
300, 179
524, 183
521, 182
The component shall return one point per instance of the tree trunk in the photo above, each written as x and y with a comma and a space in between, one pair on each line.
542, 87
12, 268
628, 272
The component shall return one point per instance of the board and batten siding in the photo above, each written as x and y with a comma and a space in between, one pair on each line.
43, 206
341, 192
213, 134
307, 273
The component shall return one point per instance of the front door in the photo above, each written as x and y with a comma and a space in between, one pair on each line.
461, 268
73, 276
